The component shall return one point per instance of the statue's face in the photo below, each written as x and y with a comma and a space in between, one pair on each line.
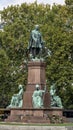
20, 86
37, 27
37, 86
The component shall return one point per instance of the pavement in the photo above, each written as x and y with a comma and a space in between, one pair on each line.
24, 127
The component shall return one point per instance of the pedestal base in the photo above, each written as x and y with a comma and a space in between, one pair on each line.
27, 114
35, 115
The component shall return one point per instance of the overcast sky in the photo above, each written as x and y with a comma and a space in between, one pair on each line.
5, 3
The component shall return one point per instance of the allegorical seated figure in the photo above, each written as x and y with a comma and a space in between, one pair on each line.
35, 43
37, 97
17, 99
55, 100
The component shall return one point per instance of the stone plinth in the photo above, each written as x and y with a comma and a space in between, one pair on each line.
36, 75
33, 115
56, 111
27, 114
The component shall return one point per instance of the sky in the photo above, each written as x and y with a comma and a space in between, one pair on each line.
5, 3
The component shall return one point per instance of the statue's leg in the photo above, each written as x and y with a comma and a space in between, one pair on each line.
38, 51
30, 50
34, 52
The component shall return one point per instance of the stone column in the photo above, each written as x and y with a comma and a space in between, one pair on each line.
36, 75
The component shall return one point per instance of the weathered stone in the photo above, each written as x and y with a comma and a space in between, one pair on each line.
69, 127
17, 127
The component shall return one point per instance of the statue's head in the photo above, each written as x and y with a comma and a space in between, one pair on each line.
37, 86
20, 86
52, 89
37, 27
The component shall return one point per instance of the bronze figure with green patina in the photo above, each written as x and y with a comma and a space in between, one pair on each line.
37, 97
36, 42
55, 99
17, 99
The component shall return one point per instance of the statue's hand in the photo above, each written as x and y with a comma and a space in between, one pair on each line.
15, 94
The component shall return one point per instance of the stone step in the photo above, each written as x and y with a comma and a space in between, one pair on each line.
27, 119
32, 119
13, 119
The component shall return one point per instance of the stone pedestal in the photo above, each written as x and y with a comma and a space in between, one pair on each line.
34, 115
36, 75
27, 114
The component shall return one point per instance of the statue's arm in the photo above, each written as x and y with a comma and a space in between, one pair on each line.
43, 91
33, 36
20, 92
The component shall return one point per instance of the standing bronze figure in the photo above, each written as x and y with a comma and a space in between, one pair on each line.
35, 43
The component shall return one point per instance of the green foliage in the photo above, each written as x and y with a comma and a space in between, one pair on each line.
56, 26
56, 119
69, 2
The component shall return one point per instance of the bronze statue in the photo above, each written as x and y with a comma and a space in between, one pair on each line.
17, 100
35, 43
37, 97
55, 99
